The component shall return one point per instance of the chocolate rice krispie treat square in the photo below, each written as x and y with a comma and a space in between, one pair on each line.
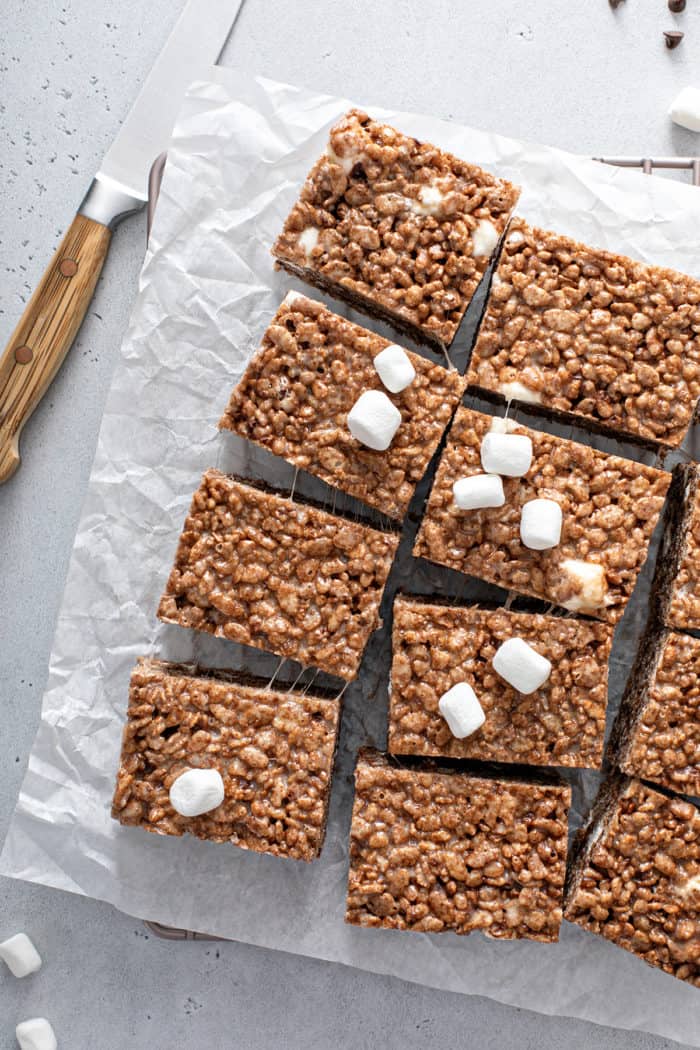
437, 851
657, 731
273, 749
436, 646
298, 389
259, 568
634, 876
676, 589
587, 333
396, 227
609, 505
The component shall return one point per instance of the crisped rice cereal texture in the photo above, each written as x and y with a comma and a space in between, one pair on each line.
676, 589
657, 733
274, 751
264, 570
634, 877
435, 646
444, 851
299, 387
610, 507
388, 224
588, 333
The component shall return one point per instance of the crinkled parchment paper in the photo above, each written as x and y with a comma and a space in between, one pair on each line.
240, 151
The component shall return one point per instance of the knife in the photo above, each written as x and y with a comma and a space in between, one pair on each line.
56, 310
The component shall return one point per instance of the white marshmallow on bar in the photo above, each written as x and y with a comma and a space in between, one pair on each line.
517, 391
461, 710
20, 955
506, 454
480, 490
394, 368
521, 666
592, 585
540, 524
308, 239
373, 420
485, 237
197, 791
36, 1034
685, 109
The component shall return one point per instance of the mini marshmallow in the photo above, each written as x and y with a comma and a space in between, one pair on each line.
480, 490
308, 239
293, 297
591, 581
36, 1034
685, 109
540, 524
516, 391
461, 710
506, 454
394, 368
431, 198
197, 791
373, 420
502, 425
520, 666
485, 237
20, 955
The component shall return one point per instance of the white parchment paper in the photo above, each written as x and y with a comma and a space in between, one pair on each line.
240, 151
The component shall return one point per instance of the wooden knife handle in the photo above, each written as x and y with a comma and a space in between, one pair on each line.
46, 330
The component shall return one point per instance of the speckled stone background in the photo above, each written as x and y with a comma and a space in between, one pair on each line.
576, 75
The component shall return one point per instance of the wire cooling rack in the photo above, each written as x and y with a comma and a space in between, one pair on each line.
649, 165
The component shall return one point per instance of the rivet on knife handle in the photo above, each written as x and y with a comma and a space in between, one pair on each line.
46, 330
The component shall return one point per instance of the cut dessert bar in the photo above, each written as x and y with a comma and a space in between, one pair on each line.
435, 851
396, 227
610, 506
264, 570
274, 751
298, 389
676, 588
657, 732
585, 332
634, 876
436, 646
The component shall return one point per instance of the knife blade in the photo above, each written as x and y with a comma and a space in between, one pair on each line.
53, 316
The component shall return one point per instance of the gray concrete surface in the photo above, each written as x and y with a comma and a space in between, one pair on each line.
575, 75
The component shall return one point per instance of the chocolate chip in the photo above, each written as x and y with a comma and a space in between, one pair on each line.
673, 39
615, 3
676, 6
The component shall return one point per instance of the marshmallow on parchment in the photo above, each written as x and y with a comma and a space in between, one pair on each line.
506, 454
521, 666
20, 955
540, 524
197, 791
373, 420
36, 1034
479, 490
685, 109
394, 368
461, 710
